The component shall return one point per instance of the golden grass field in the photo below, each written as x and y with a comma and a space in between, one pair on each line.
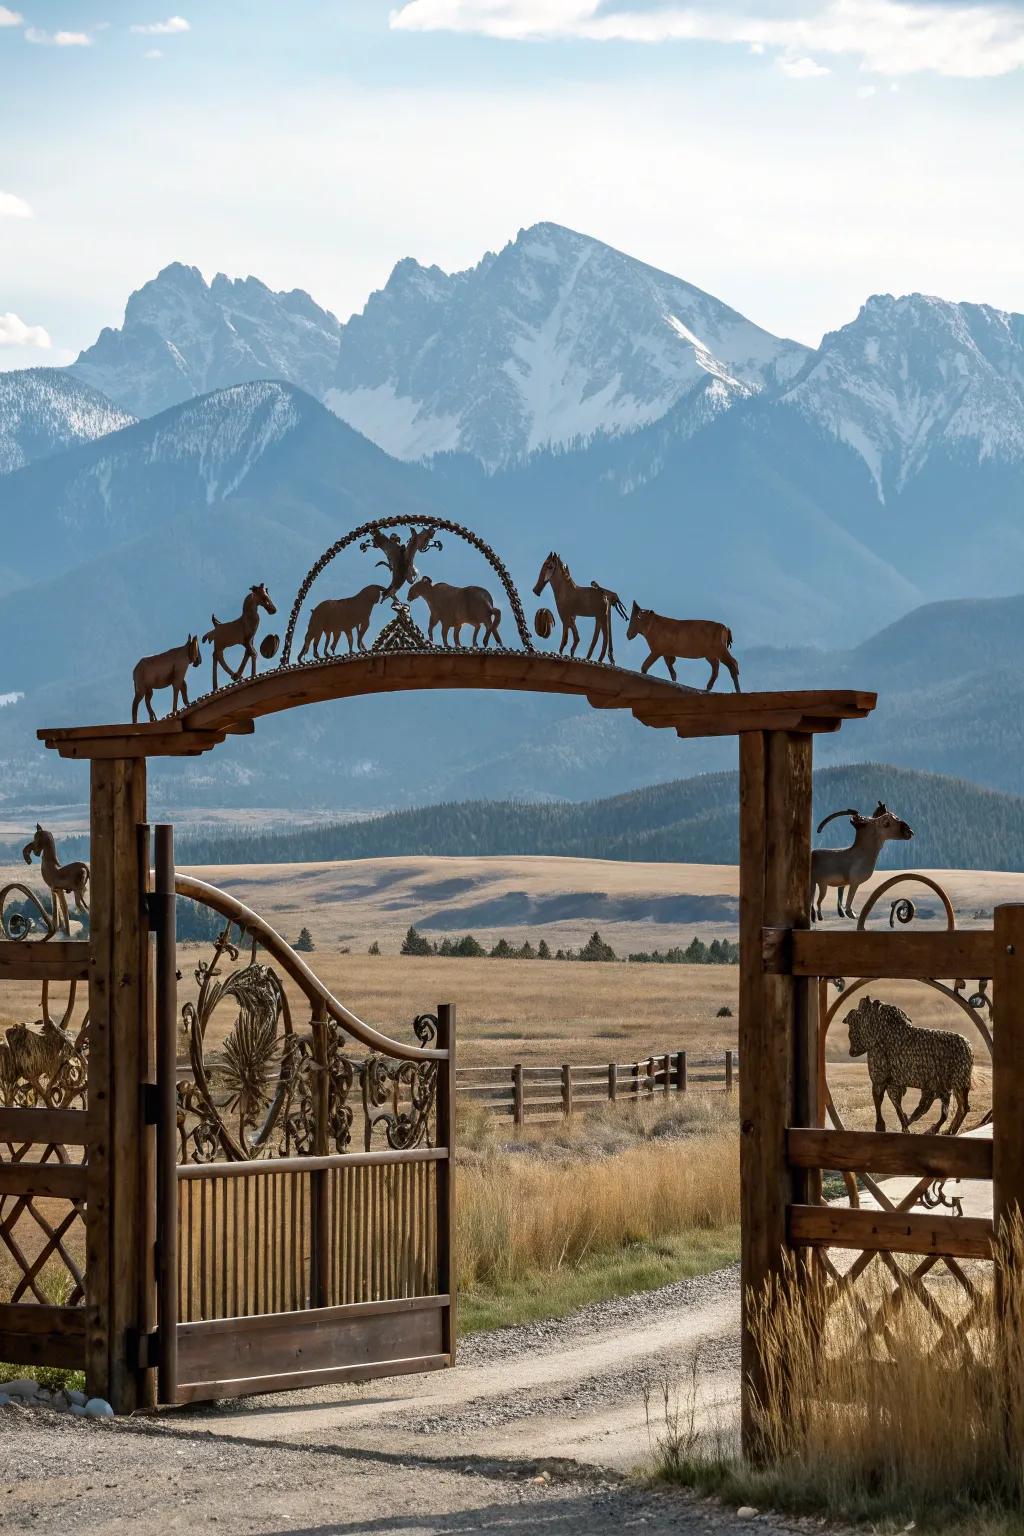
537, 1011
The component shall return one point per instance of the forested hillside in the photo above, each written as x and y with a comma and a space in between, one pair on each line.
956, 825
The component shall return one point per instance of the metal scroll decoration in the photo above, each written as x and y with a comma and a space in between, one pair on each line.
268, 1090
399, 556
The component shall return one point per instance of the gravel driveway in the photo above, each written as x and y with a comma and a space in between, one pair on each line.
533, 1431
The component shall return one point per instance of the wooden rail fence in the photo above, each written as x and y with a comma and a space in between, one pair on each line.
550, 1092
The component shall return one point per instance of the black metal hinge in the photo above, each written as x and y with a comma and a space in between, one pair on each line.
150, 1104
144, 1348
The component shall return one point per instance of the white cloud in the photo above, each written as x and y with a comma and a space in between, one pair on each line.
153, 53
12, 207
58, 39
802, 69
10, 18
889, 37
163, 28
864, 91
15, 333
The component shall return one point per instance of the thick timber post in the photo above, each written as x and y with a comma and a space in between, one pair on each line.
119, 1264
777, 1024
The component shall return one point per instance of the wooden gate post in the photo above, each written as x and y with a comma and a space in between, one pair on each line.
120, 1275
775, 1021
1008, 1064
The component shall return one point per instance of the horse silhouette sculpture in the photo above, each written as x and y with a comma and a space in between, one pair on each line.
238, 631
59, 878
574, 602
165, 671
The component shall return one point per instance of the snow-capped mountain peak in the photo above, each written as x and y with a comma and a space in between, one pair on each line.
183, 337
551, 340
914, 375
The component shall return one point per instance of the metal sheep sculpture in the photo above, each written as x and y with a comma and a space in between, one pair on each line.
900, 1056
848, 868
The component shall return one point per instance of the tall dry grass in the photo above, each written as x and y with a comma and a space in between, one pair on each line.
884, 1418
518, 1215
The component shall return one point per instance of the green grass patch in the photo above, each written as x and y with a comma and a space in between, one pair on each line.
639, 1267
55, 1378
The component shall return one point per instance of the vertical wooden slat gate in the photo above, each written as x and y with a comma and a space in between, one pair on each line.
318, 1265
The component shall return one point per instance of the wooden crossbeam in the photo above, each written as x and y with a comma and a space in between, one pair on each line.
797, 952
890, 1152
44, 960
826, 1226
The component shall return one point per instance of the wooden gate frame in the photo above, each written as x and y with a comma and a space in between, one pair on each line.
776, 1008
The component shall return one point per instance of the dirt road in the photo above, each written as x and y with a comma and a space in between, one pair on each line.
530, 1433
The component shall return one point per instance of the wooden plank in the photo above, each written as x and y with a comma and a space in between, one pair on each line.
295, 1381
63, 1181
127, 746
44, 960
890, 1152
968, 952
98, 1208
166, 1031
40, 1335
69, 1127
826, 1226
315, 1317
1008, 1064
321, 1338
130, 1268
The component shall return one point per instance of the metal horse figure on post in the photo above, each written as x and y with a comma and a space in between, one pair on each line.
239, 631
574, 602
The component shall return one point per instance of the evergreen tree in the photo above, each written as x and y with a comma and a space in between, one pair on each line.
374, 948
596, 949
527, 952
543, 952
304, 943
503, 950
470, 948
415, 944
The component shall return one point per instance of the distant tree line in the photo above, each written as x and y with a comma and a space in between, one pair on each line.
956, 825
718, 952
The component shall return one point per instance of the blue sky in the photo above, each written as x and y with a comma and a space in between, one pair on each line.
791, 156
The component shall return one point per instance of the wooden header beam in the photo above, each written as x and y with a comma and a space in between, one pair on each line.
652, 700
797, 952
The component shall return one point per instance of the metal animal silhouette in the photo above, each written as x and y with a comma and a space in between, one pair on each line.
452, 607
848, 868
574, 602
59, 878
400, 555
900, 1056
337, 616
239, 631
689, 639
165, 671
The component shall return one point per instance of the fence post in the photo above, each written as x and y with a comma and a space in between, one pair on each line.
680, 1072
518, 1102
613, 1081
650, 1076
567, 1090
445, 1137
728, 1071
1007, 1070
666, 1069
165, 909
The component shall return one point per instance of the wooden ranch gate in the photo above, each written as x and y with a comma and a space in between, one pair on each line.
294, 1223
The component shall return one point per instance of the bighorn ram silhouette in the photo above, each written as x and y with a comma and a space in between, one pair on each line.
848, 868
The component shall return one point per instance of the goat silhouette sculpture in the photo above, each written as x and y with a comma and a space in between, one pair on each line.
848, 868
